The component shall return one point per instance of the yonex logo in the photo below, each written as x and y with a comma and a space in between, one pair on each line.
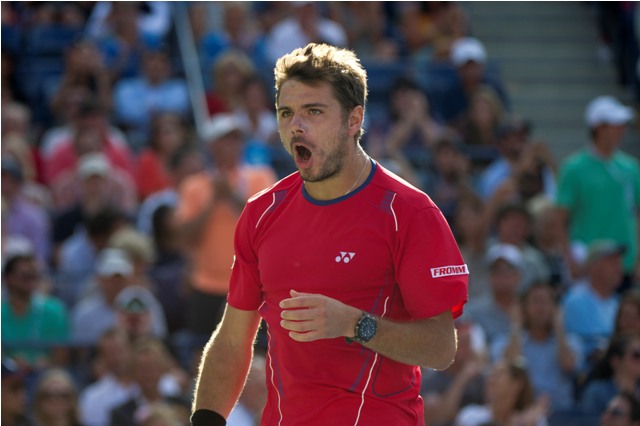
446, 271
344, 257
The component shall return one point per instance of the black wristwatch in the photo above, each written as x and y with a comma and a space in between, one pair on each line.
366, 328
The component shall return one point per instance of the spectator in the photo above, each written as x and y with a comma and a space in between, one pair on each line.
95, 313
553, 358
239, 31
77, 254
470, 225
513, 226
168, 134
622, 410
138, 248
617, 371
590, 308
509, 399
448, 180
35, 326
627, 320
137, 99
518, 158
139, 313
184, 162
479, 126
169, 270
599, 186
22, 217
151, 19
162, 414
77, 111
469, 57
125, 31
56, 399
151, 367
93, 183
547, 239
259, 124
306, 25
368, 29
410, 132
14, 395
229, 72
83, 70
91, 133
253, 398
494, 312
114, 382
462, 384
210, 204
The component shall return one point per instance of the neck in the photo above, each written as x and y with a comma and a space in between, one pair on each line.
603, 149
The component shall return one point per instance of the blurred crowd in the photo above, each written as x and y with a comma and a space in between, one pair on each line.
118, 210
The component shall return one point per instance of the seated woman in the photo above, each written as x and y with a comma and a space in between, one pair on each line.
509, 399
617, 371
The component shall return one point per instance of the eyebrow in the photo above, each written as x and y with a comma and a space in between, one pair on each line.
306, 106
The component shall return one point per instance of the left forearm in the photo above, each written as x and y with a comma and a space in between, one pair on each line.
428, 343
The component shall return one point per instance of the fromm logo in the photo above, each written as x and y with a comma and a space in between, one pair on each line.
446, 271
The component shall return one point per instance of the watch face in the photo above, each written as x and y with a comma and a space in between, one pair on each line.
367, 328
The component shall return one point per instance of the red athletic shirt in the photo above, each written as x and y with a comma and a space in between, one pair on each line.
384, 248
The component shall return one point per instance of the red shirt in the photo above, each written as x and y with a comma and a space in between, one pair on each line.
384, 248
152, 175
64, 158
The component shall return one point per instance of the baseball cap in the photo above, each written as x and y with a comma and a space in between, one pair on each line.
467, 49
606, 110
135, 299
93, 164
602, 248
507, 252
220, 125
113, 262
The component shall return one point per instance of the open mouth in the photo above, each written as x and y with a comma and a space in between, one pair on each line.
303, 153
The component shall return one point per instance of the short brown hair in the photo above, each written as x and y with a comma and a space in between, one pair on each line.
317, 63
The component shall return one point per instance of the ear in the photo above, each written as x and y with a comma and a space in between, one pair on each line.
355, 120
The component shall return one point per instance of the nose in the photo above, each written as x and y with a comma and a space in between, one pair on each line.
297, 124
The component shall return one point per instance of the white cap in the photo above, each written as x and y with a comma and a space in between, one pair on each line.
220, 125
607, 110
93, 164
113, 262
506, 252
135, 298
467, 49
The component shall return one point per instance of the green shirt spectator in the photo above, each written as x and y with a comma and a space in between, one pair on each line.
602, 196
599, 186
35, 326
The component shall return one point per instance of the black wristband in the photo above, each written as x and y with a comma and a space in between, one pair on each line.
204, 417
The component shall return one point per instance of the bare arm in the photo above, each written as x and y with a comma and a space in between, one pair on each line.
225, 361
429, 343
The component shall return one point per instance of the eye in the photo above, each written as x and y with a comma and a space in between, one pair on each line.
285, 113
314, 111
